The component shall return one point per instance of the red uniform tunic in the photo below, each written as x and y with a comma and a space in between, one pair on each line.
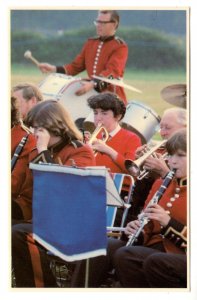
174, 200
74, 153
102, 58
18, 173
125, 143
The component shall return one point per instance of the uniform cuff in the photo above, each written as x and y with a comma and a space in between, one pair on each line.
99, 85
60, 69
174, 224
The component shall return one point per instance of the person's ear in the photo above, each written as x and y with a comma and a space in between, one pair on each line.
118, 118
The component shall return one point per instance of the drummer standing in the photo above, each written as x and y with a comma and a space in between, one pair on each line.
104, 55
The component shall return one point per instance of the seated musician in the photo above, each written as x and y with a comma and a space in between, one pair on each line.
163, 239
121, 144
27, 95
108, 110
22, 143
172, 120
59, 142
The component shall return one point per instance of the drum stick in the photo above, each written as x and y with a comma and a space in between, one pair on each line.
117, 82
28, 55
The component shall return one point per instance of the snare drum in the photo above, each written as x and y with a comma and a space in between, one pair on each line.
62, 88
141, 119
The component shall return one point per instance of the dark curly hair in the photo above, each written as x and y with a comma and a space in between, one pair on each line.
108, 101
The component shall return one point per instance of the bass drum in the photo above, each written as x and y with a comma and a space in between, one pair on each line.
62, 88
141, 119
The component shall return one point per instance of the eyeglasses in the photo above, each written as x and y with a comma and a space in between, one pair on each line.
96, 22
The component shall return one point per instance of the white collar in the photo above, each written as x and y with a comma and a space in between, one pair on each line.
113, 132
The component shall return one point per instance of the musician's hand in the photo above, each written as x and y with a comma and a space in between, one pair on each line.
86, 87
102, 147
140, 151
47, 68
158, 213
132, 227
156, 164
99, 145
43, 136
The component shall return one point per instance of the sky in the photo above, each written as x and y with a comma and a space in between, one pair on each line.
6, 293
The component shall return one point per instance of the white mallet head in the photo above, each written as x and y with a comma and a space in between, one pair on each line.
27, 54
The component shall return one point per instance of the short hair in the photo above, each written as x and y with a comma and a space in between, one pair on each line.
29, 90
178, 141
114, 15
179, 112
108, 101
53, 116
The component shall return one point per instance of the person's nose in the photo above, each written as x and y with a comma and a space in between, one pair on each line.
98, 119
173, 161
164, 133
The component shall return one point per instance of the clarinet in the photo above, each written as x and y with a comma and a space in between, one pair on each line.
18, 151
155, 199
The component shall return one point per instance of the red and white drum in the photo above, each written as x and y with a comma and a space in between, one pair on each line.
63, 88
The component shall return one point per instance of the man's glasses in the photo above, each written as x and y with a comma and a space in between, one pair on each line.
96, 22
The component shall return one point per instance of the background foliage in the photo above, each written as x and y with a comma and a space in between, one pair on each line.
148, 48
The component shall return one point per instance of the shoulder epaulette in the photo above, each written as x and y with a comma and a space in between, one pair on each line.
119, 40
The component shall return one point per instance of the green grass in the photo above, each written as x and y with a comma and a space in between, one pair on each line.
155, 75
149, 82
25, 73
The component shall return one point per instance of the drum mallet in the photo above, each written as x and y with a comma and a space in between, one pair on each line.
28, 55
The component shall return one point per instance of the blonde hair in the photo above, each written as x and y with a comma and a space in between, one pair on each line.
29, 91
